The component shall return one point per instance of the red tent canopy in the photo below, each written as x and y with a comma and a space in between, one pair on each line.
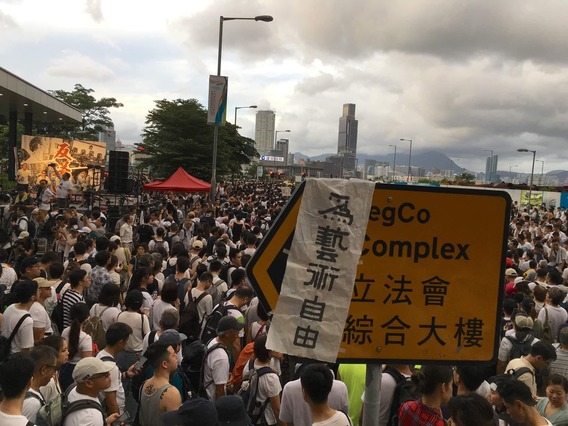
180, 181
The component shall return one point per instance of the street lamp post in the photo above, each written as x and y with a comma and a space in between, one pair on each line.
409, 156
541, 181
275, 141
264, 18
276, 135
393, 162
237, 108
490, 165
532, 171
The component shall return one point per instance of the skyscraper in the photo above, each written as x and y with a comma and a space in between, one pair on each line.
491, 168
347, 141
264, 132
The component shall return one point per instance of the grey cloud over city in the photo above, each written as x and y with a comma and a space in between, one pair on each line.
454, 76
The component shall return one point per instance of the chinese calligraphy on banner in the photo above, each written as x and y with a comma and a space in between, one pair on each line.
70, 156
318, 283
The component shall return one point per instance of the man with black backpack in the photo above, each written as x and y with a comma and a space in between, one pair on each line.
526, 367
92, 376
17, 324
15, 379
198, 305
217, 363
241, 297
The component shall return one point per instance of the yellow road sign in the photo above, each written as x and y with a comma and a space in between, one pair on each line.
428, 286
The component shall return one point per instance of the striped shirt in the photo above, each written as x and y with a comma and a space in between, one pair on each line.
69, 298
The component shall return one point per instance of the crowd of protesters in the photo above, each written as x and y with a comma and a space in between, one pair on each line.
114, 316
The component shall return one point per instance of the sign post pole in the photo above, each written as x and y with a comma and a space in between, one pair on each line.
371, 403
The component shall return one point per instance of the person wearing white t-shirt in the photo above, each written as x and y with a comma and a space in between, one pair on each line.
15, 379
23, 175
107, 308
241, 297
317, 382
216, 368
294, 410
555, 314
23, 341
116, 337
269, 386
42, 321
80, 343
45, 365
92, 376
46, 196
63, 190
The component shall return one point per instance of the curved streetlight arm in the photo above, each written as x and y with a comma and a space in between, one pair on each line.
532, 171
242, 107
264, 18
409, 156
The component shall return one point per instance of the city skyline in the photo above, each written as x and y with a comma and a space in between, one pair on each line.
496, 83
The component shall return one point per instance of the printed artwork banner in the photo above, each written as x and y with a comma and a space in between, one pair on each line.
69, 156
320, 273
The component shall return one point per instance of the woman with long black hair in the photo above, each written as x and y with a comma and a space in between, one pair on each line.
80, 343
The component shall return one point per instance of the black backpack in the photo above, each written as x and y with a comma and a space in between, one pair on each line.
210, 328
519, 349
404, 391
202, 387
8, 299
193, 355
189, 322
255, 409
31, 226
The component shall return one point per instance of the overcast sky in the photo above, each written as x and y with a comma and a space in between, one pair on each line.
453, 75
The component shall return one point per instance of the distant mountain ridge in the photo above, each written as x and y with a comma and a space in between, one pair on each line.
429, 160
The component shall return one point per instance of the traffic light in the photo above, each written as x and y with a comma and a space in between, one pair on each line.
271, 174
279, 175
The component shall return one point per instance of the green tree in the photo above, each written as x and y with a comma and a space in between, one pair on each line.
177, 134
465, 179
96, 115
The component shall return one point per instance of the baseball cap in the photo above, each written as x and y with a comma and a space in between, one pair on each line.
228, 323
23, 234
193, 412
90, 366
42, 282
172, 337
115, 238
511, 272
522, 321
197, 245
28, 262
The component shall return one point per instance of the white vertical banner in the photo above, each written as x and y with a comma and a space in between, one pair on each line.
217, 111
320, 273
